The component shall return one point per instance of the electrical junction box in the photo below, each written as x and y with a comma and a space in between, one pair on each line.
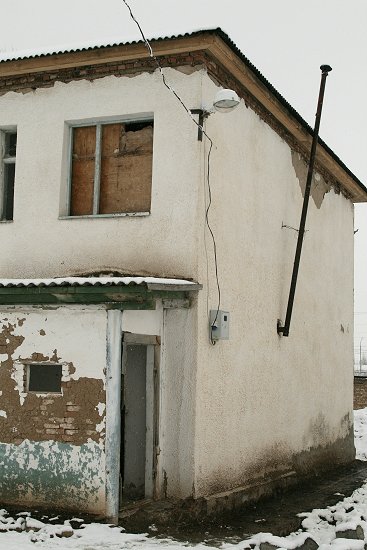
219, 324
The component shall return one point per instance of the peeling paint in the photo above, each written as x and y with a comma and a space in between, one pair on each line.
37, 473
71, 416
101, 426
318, 187
101, 408
52, 445
74, 416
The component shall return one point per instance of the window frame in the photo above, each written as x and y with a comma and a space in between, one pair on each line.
28, 366
98, 123
6, 160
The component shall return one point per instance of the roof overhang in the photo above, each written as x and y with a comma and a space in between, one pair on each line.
112, 292
218, 46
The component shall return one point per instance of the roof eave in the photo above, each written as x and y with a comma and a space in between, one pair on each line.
220, 47
108, 54
142, 296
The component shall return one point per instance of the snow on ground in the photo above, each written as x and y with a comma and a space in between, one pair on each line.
360, 433
22, 532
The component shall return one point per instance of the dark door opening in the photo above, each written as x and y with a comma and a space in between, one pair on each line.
137, 422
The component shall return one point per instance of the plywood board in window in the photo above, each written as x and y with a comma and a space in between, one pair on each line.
126, 168
83, 165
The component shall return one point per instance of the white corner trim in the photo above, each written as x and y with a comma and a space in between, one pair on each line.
113, 412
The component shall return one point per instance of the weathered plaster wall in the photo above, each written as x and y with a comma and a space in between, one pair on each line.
178, 406
162, 243
52, 445
269, 406
143, 322
259, 405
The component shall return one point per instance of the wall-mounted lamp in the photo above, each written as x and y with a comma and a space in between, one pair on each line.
225, 101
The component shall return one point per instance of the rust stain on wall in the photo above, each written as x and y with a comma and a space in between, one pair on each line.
70, 417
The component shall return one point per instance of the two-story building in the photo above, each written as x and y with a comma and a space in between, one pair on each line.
111, 389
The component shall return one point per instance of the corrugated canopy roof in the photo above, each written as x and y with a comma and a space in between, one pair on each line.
149, 282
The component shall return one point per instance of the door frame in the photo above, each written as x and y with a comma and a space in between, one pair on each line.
113, 416
151, 443
113, 409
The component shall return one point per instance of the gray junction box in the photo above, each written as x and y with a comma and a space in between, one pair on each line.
220, 328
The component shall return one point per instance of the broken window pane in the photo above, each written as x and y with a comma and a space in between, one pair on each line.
44, 378
120, 180
126, 168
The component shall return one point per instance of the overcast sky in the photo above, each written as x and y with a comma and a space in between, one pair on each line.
287, 40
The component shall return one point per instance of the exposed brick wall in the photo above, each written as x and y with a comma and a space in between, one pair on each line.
360, 392
29, 82
69, 417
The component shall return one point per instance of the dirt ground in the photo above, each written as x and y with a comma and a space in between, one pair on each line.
277, 515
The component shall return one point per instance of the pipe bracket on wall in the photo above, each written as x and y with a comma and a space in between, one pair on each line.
202, 116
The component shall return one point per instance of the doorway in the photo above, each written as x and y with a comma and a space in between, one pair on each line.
138, 418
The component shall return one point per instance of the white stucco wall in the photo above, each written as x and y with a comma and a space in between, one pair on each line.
264, 401
163, 243
148, 322
255, 404
178, 402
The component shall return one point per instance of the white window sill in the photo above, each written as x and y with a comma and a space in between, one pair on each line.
6, 221
119, 215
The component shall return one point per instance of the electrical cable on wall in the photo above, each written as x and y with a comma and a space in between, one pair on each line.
200, 126
168, 86
213, 237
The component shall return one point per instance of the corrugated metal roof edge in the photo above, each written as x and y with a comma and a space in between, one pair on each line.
155, 282
218, 31
114, 44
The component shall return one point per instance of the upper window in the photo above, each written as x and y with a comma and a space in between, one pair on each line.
111, 168
8, 147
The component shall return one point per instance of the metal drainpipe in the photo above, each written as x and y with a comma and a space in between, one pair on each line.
284, 330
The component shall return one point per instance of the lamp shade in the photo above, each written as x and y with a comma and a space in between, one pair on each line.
226, 100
